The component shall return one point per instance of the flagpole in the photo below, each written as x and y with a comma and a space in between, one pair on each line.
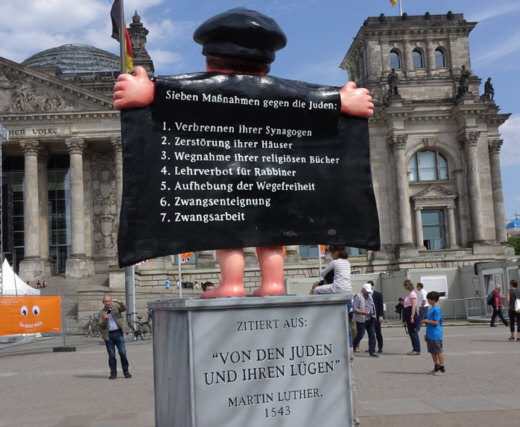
180, 275
319, 257
130, 270
400, 8
122, 40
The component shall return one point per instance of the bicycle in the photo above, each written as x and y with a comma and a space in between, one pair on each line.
138, 328
91, 328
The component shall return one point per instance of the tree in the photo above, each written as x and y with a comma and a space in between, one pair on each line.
515, 242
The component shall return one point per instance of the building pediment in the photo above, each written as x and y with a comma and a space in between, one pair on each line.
434, 195
24, 90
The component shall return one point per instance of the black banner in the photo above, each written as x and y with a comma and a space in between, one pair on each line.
229, 161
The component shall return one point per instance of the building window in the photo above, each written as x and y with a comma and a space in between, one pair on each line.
308, 251
355, 251
433, 229
58, 176
428, 166
395, 59
440, 58
417, 59
311, 251
13, 210
436, 283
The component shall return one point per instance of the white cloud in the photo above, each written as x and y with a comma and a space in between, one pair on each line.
325, 72
168, 30
139, 5
496, 10
23, 45
51, 15
505, 48
166, 59
41, 24
510, 131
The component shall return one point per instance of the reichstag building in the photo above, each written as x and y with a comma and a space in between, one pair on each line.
434, 144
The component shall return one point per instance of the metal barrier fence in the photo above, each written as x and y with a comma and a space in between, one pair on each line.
477, 307
71, 336
451, 309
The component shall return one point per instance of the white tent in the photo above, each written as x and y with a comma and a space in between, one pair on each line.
12, 285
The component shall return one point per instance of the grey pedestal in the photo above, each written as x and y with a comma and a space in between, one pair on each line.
235, 362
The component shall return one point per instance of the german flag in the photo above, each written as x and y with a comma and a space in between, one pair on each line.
115, 15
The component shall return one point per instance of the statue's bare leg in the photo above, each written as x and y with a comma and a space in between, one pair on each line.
270, 259
232, 264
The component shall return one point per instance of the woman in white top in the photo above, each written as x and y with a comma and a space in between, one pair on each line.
341, 267
411, 317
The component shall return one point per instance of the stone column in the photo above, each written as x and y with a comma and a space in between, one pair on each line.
408, 58
115, 273
206, 259
78, 266
31, 266
385, 59
496, 186
418, 228
403, 200
430, 57
117, 144
453, 60
470, 140
250, 257
462, 222
43, 200
293, 254
452, 235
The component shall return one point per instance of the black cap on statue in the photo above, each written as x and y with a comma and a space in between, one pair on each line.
241, 33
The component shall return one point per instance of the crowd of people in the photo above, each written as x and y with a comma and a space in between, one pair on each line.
420, 308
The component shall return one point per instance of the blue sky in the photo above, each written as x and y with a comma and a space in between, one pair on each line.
319, 34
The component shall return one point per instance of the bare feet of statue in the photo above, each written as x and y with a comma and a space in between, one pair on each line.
225, 291
269, 290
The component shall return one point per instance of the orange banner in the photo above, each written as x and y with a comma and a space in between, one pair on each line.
323, 250
185, 257
28, 315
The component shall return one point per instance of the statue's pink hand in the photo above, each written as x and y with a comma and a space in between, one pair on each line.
133, 91
356, 102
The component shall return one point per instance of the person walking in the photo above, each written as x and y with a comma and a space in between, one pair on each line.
411, 317
365, 317
512, 295
422, 304
380, 315
113, 327
497, 307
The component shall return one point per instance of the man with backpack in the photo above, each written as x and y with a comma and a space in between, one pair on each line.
497, 307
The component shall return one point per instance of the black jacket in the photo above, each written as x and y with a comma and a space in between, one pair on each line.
378, 302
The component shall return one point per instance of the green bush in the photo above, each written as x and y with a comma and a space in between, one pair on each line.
515, 242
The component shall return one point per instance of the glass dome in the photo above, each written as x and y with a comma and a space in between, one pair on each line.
513, 228
75, 58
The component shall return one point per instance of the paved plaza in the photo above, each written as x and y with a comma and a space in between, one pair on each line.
41, 388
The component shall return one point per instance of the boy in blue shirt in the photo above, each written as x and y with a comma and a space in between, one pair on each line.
433, 336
